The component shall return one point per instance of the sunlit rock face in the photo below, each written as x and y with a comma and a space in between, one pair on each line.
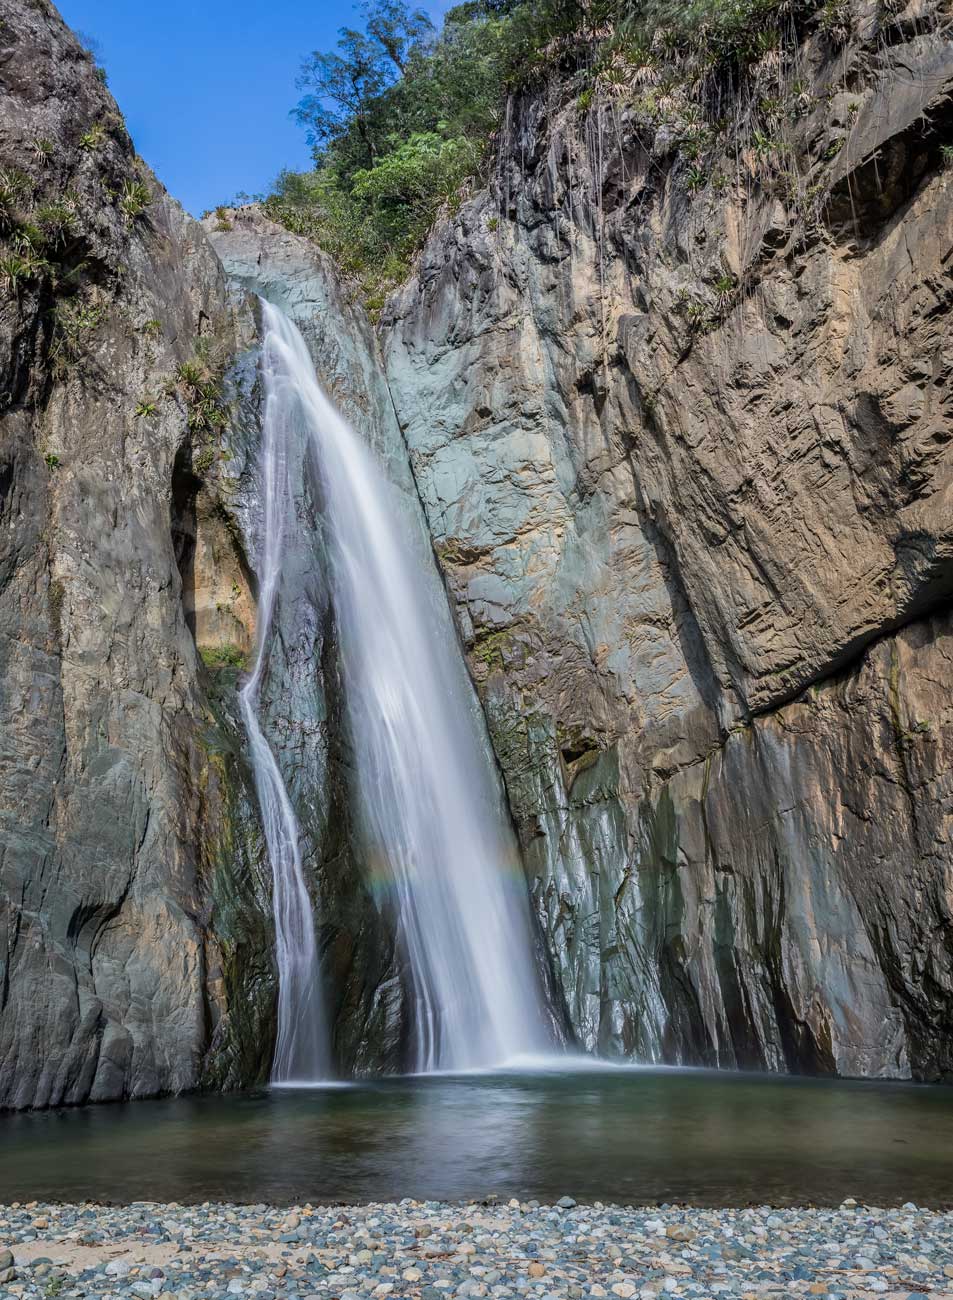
685, 455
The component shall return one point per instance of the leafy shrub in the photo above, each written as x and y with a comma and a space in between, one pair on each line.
203, 461
199, 381
315, 205
74, 320
409, 185
400, 116
835, 20
15, 188
726, 289
222, 656
56, 221
17, 270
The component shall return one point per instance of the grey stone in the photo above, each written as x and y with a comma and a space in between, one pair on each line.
116, 787
704, 576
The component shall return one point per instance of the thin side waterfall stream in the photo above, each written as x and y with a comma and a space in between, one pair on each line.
436, 839
301, 1050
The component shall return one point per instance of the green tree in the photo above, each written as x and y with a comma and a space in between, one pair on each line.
345, 87
400, 117
398, 30
341, 90
408, 185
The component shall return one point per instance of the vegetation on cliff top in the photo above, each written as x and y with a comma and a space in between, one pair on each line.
401, 117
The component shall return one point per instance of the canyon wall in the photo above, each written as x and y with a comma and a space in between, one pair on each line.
682, 431
681, 435
136, 932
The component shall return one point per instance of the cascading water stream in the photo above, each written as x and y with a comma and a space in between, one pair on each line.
435, 836
301, 1050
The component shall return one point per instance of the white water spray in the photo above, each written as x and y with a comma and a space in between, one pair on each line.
437, 842
301, 1050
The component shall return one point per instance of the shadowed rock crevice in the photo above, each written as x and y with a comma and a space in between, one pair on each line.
185, 489
890, 154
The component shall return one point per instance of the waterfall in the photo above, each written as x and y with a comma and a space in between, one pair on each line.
438, 845
301, 1050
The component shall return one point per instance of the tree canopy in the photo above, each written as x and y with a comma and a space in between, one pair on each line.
399, 116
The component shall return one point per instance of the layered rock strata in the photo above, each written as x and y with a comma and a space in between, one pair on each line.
682, 431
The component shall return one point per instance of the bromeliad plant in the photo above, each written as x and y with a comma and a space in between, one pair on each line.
134, 197
199, 381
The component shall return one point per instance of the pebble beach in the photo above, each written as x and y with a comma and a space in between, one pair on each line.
434, 1251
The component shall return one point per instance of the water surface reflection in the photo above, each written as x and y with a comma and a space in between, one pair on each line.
631, 1136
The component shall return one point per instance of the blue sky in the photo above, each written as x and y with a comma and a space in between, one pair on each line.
206, 85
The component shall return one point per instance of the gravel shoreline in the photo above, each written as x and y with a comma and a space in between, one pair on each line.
431, 1251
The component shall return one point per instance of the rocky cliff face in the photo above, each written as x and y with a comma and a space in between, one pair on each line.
682, 431
136, 937
133, 895
681, 435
